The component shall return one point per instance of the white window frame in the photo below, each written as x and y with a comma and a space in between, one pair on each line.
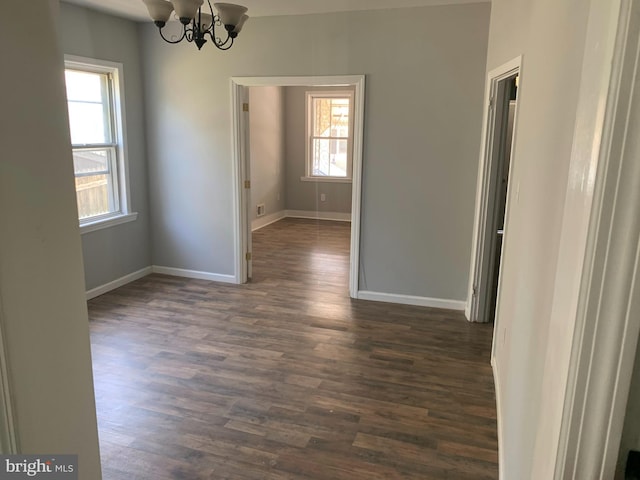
309, 176
123, 214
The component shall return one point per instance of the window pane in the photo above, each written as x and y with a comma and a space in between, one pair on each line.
340, 117
338, 165
322, 117
331, 117
87, 123
84, 86
90, 161
330, 157
95, 182
88, 101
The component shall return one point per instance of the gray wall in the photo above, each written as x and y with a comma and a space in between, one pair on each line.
551, 38
306, 195
43, 307
422, 136
122, 249
266, 127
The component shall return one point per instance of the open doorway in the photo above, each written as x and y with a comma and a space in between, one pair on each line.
493, 193
300, 168
327, 90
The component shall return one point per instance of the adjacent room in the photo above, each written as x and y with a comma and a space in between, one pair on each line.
300, 159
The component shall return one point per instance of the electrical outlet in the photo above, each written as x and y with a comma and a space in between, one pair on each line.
323, 197
278, 196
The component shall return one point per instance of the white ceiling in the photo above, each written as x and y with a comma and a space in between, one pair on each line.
136, 10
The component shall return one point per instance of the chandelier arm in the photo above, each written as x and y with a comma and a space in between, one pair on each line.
217, 41
222, 46
184, 33
190, 32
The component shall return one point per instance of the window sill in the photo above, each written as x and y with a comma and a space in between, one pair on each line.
107, 222
326, 179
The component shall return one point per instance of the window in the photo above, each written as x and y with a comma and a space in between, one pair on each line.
329, 136
94, 100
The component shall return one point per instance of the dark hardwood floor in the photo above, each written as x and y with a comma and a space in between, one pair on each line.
287, 377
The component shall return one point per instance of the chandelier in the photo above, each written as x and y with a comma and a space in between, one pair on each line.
196, 24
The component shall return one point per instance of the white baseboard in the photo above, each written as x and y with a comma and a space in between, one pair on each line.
260, 222
335, 216
118, 282
412, 300
181, 272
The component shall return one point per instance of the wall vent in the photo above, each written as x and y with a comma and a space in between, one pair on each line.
260, 210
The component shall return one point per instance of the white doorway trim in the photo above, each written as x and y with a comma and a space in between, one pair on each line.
606, 320
484, 202
242, 225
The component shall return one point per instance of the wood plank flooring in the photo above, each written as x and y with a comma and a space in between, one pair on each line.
287, 377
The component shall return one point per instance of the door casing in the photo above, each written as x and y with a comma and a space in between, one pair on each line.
476, 308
